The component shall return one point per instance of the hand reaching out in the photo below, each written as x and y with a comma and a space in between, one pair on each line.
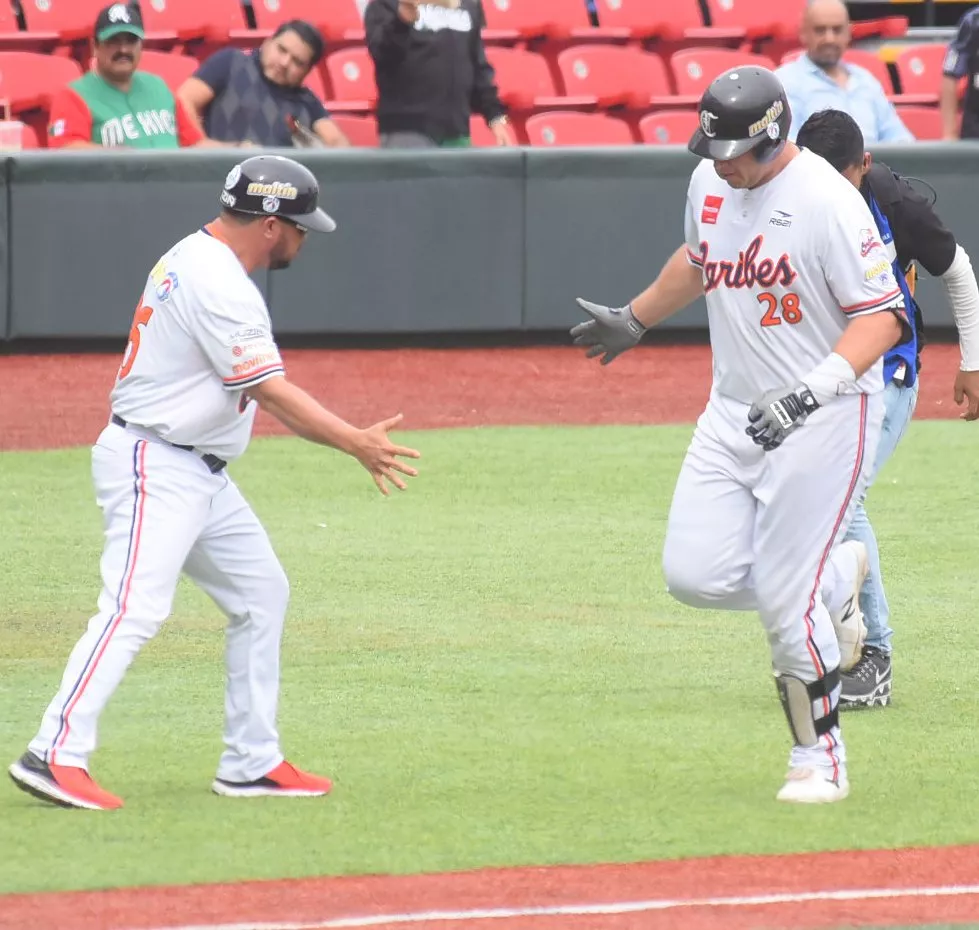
375, 451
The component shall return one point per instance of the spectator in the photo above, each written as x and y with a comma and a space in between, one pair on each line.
431, 72
253, 97
115, 105
962, 60
821, 80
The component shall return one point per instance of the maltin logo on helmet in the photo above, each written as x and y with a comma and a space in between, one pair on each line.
273, 189
707, 120
771, 114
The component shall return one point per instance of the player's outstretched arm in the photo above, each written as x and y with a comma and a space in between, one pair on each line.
306, 417
613, 330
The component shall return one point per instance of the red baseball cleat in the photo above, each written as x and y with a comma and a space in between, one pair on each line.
285, 781
64, 785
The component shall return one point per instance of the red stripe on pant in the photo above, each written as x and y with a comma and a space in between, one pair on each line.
810, 640
120, 614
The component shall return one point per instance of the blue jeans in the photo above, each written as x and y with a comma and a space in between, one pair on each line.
899, 404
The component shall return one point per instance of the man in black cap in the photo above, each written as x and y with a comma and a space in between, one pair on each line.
201, 358
116, 105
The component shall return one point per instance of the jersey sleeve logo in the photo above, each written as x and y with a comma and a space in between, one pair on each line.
748, 271
869, 242
711, 210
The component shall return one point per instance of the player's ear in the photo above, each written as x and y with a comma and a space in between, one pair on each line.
868, 160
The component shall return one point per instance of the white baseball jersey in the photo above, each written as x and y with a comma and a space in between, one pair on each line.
785, 266
200, 336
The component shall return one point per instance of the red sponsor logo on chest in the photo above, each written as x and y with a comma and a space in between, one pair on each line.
747, 271
712, 207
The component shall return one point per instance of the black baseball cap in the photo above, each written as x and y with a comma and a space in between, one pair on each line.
119, 18
273, 185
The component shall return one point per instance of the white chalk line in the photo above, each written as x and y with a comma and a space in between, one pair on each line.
584, 910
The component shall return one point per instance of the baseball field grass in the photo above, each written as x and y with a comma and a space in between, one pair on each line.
489, 667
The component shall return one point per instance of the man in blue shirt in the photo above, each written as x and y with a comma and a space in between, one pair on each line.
257, 97
821, 80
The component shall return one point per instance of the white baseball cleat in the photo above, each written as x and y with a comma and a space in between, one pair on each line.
851, 631
804, 785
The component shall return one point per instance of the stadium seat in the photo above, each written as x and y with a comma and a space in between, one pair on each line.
566, 128
351, 73
67, 20
616, 75
525, 83
872, 63
888, 27
512, 20
189, 20
173, 68
12, 38
919, 71
360, 130
755, 19
668, 127
337, 20
925, 123
28, 80
642, 19
693, 69
316, 82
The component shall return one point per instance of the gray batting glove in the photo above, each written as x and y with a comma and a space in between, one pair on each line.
778, 413
610, 331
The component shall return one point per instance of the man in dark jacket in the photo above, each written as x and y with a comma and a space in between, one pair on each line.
962, 61
912, 233
431, 72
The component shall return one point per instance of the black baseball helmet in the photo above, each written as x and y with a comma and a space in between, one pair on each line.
743, 109
272, 185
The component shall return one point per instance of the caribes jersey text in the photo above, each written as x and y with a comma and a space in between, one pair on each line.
748, 271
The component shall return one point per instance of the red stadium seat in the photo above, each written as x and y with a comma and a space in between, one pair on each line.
337, 20
64, 19
360, 130
173, 68
616, 75
644, 19
566, 128
187, 20
872, 63
925, 123
13, 39
919, 71
755, 18
693, 69
351, 73
525, 83
509, 20
668, 127
28, 80
316, 82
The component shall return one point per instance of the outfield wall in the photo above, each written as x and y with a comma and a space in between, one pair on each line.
445, 241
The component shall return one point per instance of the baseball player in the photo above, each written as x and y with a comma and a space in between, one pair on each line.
200, 361
800, 312
911, 232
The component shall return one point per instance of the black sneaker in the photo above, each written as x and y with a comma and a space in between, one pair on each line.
868, 683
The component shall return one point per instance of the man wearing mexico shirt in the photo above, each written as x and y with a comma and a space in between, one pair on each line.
114, 105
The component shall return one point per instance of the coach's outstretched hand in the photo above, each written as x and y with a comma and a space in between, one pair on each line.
778, 413
375, 451
610, 331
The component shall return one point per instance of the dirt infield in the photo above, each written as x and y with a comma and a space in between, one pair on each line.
62, 400
803, 892
54, 401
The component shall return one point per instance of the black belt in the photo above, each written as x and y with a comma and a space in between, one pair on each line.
213, 463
